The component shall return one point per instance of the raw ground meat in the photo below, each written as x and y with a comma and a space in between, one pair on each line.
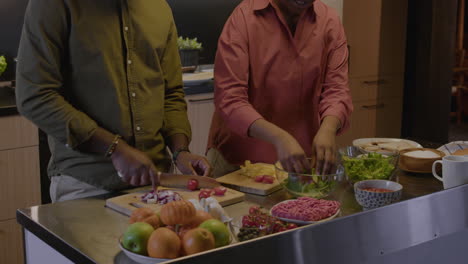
306, 209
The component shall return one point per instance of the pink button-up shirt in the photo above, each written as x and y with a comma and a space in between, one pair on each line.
262, 70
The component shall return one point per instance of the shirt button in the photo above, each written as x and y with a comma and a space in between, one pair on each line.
129, 61
138, 128
126, 28
133, 94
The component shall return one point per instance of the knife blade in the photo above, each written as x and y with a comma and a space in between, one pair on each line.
180, 180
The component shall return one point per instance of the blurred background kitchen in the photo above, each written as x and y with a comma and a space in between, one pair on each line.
408, 77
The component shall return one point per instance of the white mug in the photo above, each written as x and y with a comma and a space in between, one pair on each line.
454, 171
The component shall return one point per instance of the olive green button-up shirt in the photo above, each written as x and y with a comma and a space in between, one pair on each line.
108, 63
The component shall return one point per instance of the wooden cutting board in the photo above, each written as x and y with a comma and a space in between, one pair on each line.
126, 203
237, 181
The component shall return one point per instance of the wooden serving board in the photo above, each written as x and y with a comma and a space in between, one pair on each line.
126, 203
237, 181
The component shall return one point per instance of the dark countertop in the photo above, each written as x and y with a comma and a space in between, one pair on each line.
7, 101
205, 87
200, 87
85, 231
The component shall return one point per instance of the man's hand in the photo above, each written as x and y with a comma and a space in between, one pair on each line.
134, 166
324, 146
189, 163
290, 154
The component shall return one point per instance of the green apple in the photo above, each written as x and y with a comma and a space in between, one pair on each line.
219, 230
136, 237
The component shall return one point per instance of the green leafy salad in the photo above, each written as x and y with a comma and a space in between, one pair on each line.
314, 186
3, 64
368, 166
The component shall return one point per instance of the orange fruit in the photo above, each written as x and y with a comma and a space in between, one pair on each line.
140, 214
197, 240
164, 243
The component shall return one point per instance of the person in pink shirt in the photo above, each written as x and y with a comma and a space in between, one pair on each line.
281, 86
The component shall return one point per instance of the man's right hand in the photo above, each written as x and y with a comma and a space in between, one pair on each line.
134, 166
290, 154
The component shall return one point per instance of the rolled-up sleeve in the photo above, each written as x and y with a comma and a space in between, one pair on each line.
232, 75
40, 83
335, 98
175, 107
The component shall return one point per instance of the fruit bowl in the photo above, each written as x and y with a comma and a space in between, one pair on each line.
309, 184
139, 258
361, 165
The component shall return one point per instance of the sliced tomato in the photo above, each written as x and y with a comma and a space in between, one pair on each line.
205, 193
259, 178
192, 184
220, 190
268, 179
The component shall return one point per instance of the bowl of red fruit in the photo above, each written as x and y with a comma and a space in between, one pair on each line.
257, 223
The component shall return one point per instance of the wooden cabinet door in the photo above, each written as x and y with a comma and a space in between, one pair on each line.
11, 242
20, 188
362, 123
16, 132
200, 111
392, 45
388, 118
361, 20
365, 88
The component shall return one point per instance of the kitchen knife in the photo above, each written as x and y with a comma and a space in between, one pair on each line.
180, 180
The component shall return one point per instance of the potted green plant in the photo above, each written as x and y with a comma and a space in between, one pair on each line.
3, 64
189, 50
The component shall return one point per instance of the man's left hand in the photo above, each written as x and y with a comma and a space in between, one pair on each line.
324, 146
189, 163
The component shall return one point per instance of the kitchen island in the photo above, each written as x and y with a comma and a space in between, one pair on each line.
85, 231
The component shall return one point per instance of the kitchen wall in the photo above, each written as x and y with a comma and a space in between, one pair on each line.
11, 22
203, 19
337, 4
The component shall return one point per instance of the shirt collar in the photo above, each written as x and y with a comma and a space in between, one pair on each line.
261, 4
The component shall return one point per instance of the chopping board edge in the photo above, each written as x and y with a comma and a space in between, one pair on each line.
123, 203
246, 189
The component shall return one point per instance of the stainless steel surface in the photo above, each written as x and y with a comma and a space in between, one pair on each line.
355, 237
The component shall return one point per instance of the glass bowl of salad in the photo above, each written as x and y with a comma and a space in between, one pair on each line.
360, 165
309, 184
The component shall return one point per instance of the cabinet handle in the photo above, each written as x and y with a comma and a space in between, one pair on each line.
376, 106
200, 100
376, 82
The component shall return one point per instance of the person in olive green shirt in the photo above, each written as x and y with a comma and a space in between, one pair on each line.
91, 71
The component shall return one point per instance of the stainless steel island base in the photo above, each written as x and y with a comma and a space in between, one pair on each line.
428, 229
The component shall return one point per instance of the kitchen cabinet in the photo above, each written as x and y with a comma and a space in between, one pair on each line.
376, 33
200, 111
11, 245
20, 188
374, 118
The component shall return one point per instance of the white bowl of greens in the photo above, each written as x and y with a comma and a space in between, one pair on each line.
360, 165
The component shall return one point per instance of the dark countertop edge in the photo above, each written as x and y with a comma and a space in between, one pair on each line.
205, 87
8, 110
53, 241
